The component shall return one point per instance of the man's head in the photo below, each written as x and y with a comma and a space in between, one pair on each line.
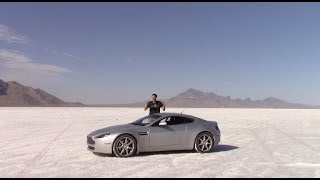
154, 97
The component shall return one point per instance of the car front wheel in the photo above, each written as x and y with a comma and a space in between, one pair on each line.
124, 146
203, 142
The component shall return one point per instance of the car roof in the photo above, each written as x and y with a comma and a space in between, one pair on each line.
175, 114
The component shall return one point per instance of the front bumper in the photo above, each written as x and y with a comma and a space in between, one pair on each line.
100, 145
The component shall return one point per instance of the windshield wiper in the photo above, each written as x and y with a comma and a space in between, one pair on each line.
134, 123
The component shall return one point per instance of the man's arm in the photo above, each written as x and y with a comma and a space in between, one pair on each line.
146, 106
163, 106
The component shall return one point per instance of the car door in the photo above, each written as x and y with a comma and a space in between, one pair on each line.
172, 134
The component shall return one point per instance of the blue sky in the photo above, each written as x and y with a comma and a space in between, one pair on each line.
123, 52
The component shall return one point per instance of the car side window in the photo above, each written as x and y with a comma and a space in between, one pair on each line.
174, 120
188, 120
162, 120
165, 120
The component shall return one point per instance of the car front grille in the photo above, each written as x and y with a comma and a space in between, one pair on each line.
90, 140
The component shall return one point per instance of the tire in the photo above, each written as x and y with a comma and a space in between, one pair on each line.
203, 142
124, 146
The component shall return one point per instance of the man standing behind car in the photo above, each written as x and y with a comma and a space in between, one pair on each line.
154, 105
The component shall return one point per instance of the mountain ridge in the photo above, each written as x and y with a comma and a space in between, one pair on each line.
15, 94
193, 98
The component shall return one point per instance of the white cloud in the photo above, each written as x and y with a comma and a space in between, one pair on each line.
66, 54
17, 60
9, 36
50, 51
72, 56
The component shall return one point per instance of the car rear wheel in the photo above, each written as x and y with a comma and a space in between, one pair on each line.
124, 146
203, 142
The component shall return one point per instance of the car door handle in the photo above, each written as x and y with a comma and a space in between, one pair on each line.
143, 133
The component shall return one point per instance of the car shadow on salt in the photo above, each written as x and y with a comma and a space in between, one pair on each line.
224, 147
217, 148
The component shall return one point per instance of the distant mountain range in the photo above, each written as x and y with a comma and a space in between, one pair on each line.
193, 98
15, 94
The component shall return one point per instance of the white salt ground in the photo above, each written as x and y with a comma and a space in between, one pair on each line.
51, 142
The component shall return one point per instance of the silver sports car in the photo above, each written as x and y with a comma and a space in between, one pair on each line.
156, 132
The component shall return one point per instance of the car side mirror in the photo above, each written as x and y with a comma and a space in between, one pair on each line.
163, 124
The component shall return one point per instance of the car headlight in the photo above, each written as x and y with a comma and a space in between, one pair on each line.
103, 135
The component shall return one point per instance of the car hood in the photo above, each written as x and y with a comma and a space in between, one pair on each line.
112, 129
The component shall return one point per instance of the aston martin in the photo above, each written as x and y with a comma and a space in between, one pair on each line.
156, 132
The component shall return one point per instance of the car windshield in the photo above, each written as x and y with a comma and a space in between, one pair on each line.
146, 120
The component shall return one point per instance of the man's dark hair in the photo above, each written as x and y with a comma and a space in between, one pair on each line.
154, 95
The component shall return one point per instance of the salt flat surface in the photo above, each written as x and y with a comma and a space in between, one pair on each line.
51, 142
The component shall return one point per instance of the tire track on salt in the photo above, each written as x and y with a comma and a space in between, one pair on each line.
43, 151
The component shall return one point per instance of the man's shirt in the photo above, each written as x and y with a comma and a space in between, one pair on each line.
154, 107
